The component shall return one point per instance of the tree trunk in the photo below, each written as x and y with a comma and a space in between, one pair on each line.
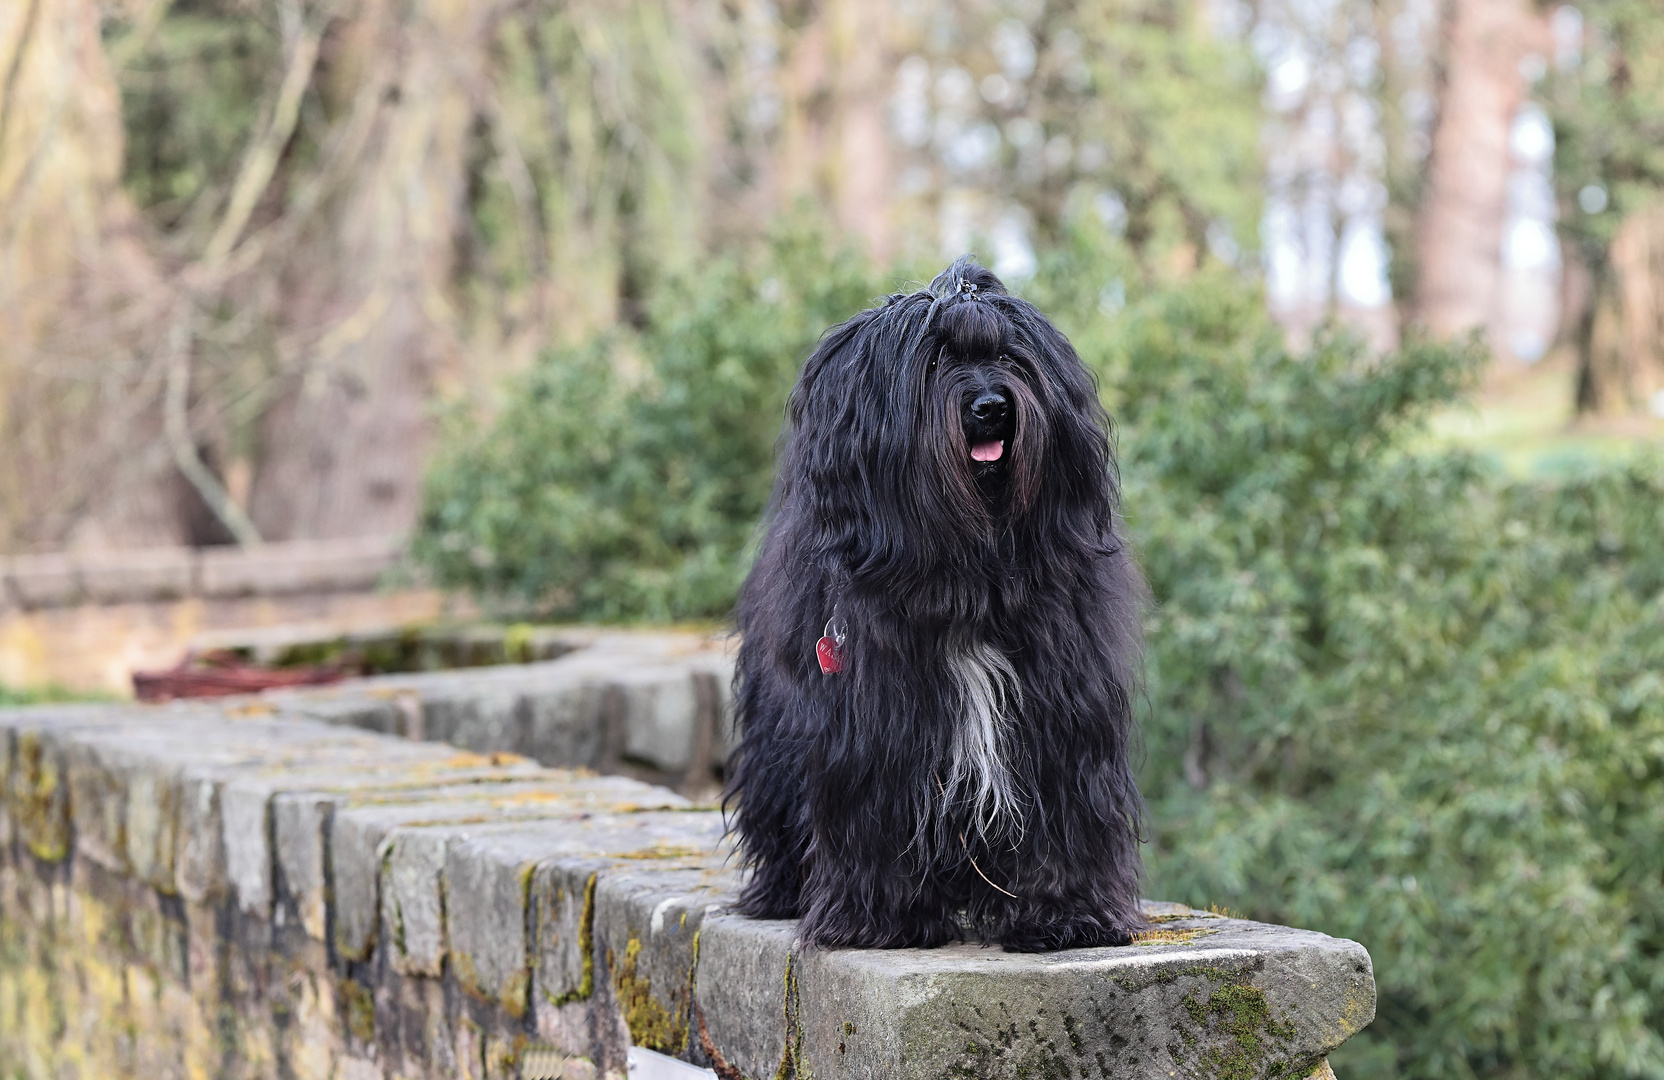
1619, 330
1638, 263
342, 444
863, 176
834, 141
1459, 230
79, 299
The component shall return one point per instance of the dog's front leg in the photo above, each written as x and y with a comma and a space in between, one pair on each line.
868, 880
767, 785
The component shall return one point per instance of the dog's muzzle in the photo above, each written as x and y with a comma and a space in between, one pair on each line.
987, 420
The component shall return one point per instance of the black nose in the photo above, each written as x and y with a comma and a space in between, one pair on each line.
990, 408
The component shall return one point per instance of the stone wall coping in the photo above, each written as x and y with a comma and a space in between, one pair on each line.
652, 705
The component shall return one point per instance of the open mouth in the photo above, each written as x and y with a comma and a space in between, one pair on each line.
992, 450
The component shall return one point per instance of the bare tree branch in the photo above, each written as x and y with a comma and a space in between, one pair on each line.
176, 425
261, 160
129, 47
8, 89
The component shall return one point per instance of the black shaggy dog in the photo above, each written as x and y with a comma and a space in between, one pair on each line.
940, 641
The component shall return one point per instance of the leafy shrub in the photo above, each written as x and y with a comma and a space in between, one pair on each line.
624, 478
1397, 699
1392, 696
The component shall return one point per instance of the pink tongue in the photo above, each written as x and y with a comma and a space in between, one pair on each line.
988, 451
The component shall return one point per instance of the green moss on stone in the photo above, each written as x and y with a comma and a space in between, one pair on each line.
39, 801
1240, 1012
791, 1065
361, 1010
586, 946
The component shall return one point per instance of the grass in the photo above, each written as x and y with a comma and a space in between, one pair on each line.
1523, 419
49, 695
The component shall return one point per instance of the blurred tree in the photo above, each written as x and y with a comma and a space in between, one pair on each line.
1464, 196
346, 204
339, 205
1010, 117
79, 426
1607, 102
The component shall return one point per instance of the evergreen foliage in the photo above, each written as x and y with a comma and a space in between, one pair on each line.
1397, 699
624, 477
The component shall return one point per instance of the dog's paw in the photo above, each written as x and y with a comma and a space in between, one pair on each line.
1050, 936
856, 930
756, 901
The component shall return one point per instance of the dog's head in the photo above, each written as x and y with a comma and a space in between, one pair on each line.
982, 391
942, 419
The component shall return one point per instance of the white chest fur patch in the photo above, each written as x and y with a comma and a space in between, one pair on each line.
989, 696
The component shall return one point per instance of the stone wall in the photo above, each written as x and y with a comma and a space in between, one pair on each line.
653, 706
86, 620
247, 889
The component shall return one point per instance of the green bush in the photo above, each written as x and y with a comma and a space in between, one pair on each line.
1392, 696
1397, 699
624, 478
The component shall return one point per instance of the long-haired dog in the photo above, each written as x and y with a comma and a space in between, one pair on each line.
941, 640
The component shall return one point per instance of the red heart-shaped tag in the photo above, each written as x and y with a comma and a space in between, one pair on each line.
830, 656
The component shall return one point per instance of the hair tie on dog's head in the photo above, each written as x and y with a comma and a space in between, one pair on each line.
963, 287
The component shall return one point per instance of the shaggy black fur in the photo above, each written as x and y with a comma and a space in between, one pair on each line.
972, 759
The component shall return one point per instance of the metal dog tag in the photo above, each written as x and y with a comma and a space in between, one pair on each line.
829, 650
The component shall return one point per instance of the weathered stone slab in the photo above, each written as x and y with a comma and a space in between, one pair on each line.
362, 825
489, 877
301, 814
647, 928
386, 712
147, 574
659, 708
297, 566
660, 701
562, 720
1220, 997
250, 829
480, 714
148, 797
119, 784
42, 580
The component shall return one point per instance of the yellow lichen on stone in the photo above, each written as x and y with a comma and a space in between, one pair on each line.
665, 851
38, 801
651, 1024
1169, 937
